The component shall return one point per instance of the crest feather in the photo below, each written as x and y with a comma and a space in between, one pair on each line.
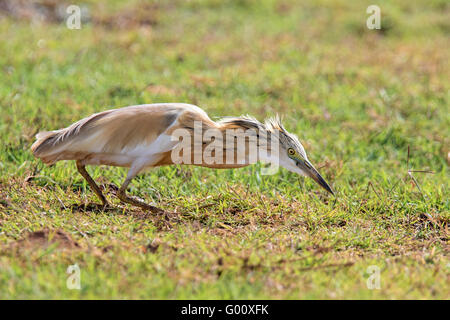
246, 122
275, 124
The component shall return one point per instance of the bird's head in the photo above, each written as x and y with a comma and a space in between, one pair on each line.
292, 155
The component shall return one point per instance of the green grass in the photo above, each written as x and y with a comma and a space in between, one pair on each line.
357, 98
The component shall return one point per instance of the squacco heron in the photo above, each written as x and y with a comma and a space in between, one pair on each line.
144, 136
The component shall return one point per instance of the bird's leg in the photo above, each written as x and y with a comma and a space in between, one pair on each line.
133, 200
82, 170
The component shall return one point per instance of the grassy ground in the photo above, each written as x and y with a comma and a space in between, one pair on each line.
357, 98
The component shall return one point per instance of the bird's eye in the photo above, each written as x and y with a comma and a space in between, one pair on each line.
291, 151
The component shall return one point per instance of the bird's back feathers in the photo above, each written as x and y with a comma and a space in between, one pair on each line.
113, 132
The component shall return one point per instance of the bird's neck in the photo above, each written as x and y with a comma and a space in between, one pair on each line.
225, 146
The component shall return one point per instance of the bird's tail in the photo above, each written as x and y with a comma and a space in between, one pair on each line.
45, 141
52, 146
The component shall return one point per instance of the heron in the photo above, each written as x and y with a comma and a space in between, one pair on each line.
142, 136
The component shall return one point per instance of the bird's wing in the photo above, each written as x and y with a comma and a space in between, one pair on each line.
119, 131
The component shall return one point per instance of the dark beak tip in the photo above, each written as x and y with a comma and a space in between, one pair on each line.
315, 175
332, 192
325, 185
328, 188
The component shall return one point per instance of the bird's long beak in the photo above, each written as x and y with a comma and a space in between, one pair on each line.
311, 172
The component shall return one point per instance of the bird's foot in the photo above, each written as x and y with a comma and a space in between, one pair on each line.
140, 203
87, 207
166, 215
151, 208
